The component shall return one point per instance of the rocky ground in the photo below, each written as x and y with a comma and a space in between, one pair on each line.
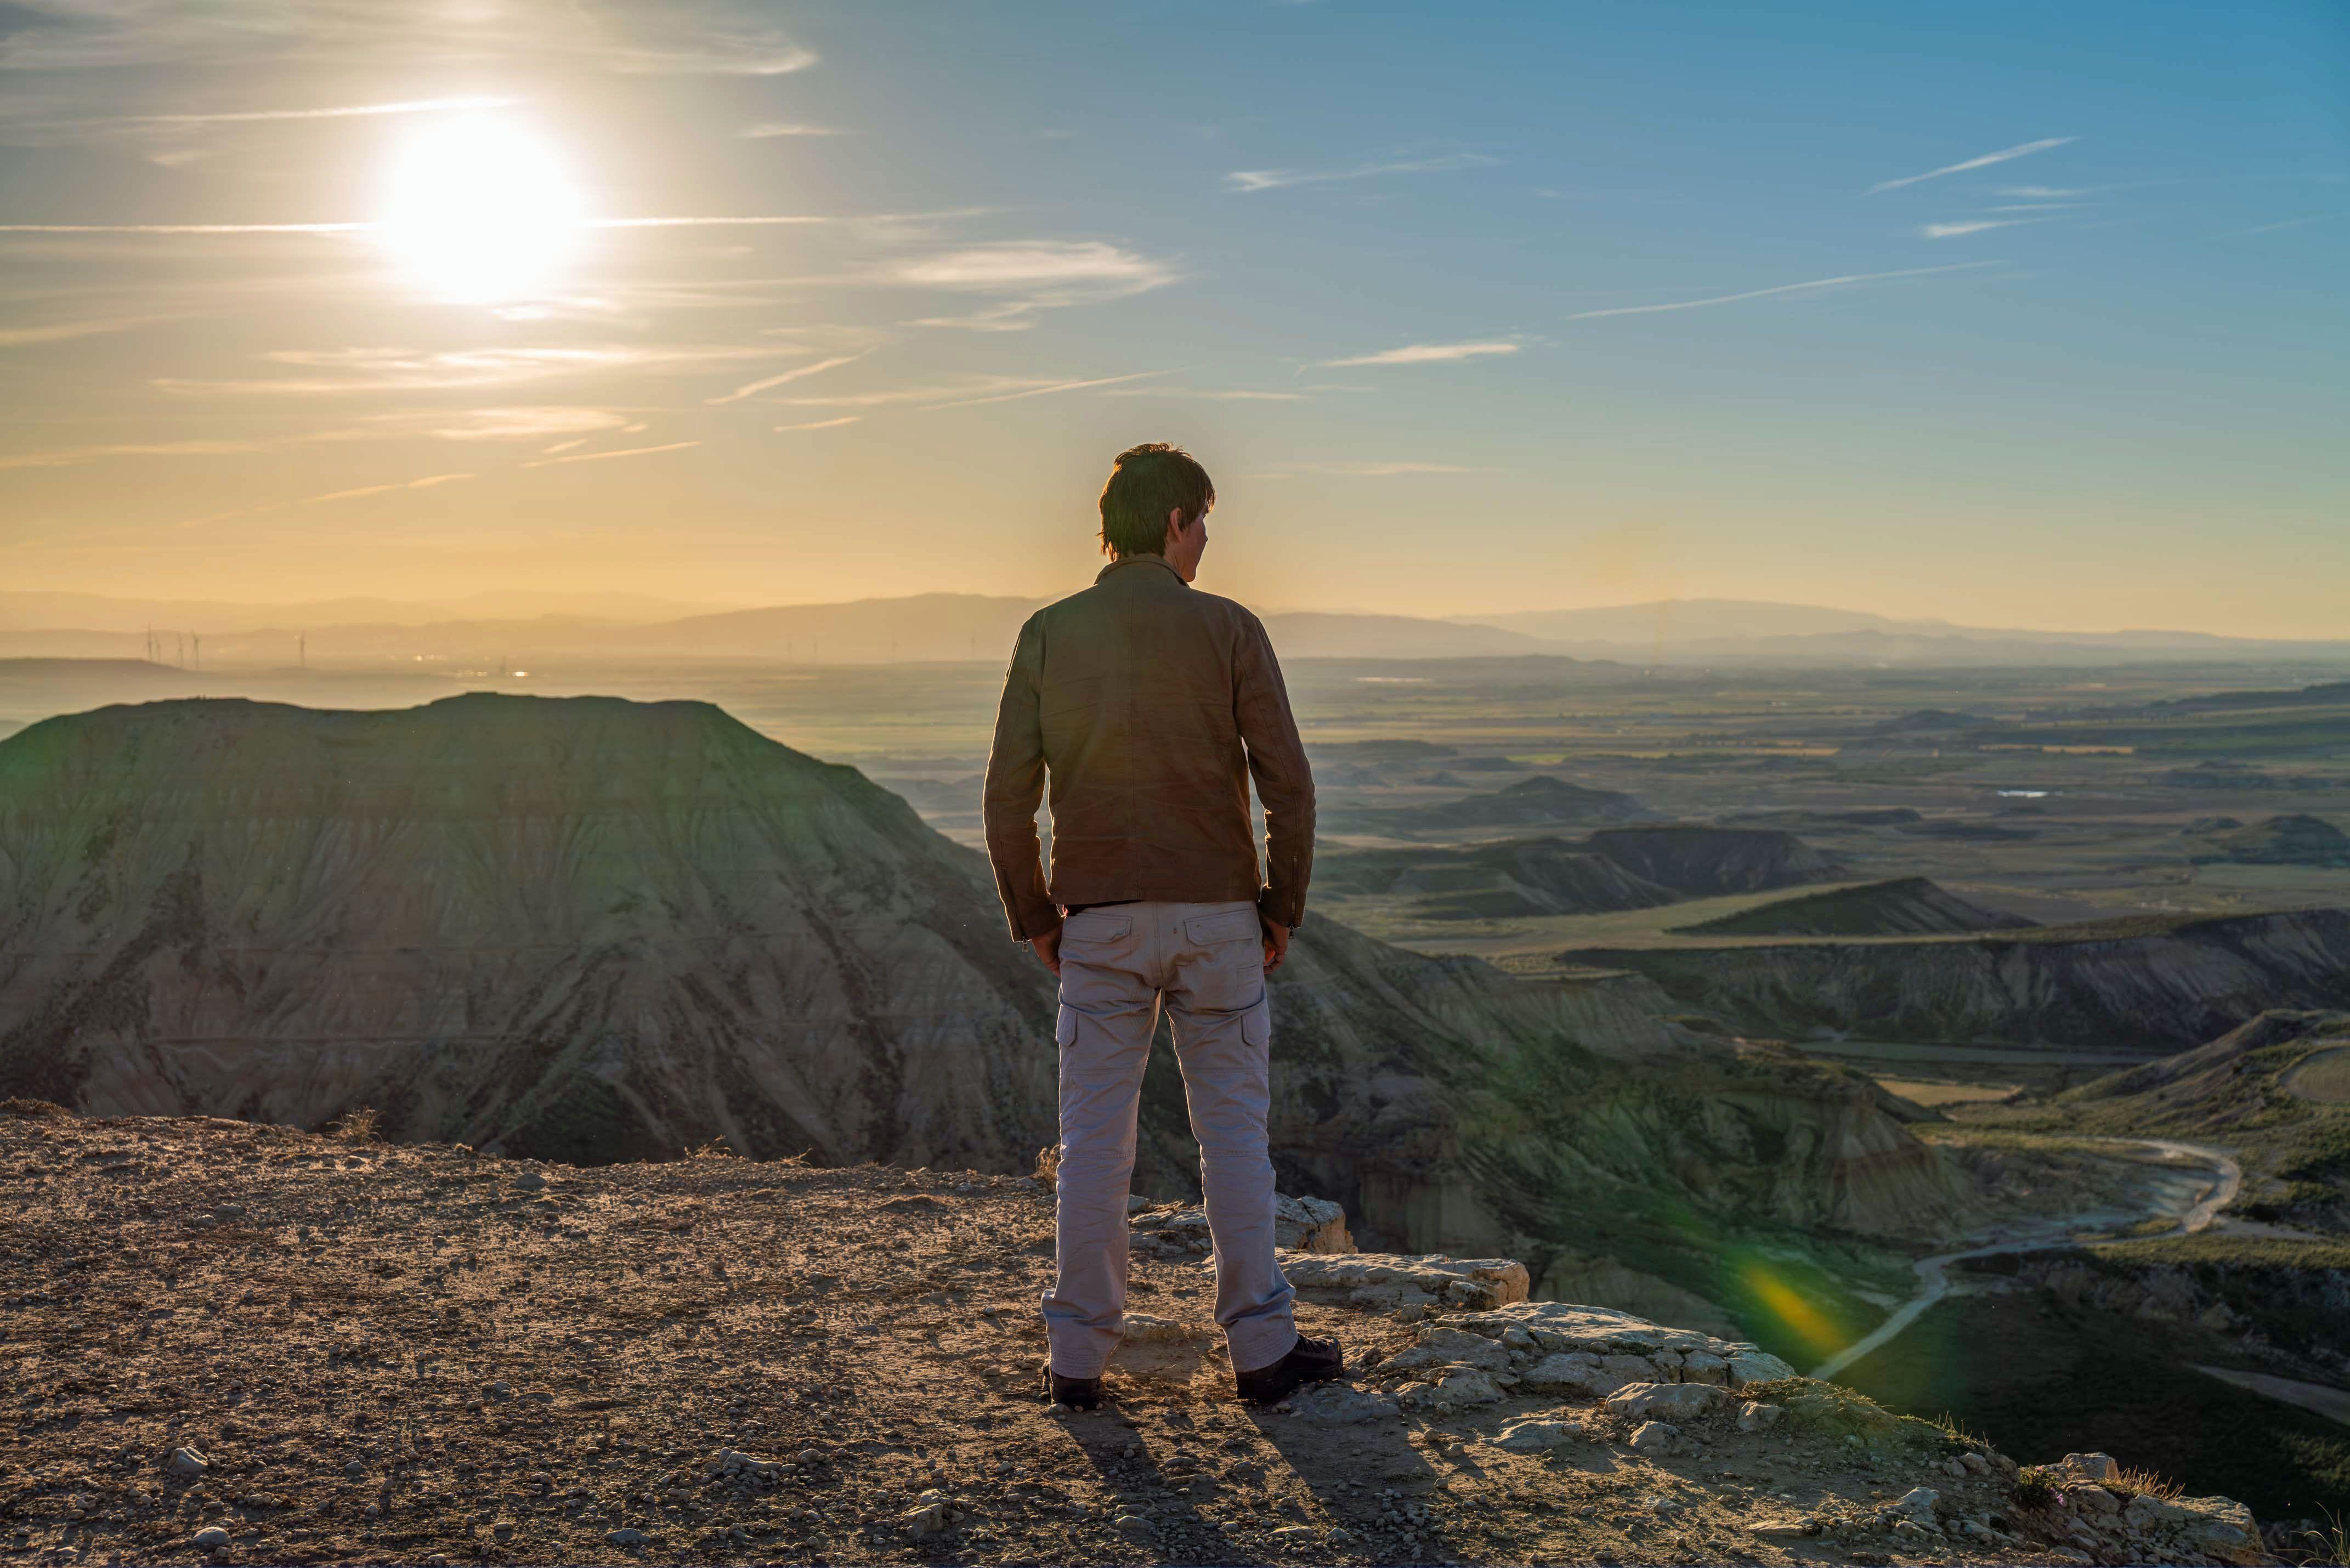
230, 1342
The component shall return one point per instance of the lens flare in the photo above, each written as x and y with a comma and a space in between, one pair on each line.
1794, 1313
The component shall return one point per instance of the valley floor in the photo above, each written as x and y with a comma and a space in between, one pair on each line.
416, 1353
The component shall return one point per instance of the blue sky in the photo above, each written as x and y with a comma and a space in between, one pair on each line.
2017, 314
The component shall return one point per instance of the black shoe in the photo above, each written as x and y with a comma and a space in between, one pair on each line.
1308, 1361
1076, 1393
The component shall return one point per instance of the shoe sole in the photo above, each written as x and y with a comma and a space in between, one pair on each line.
1302, 1380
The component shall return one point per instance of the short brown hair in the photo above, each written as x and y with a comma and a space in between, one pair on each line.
1146, 483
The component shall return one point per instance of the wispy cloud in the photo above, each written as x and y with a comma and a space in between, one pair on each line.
1427, 353
2024, 149
68, 457
1969, 226
755, 388
427, 483
1384, 469
690, 47
58, 331
358, 370
520, 423
369, 227
1038, 262
1038, 275
335, 228
1207, 395
823, 424
1046, 391
1376, 469
2048, 192
1811, 285
783, 128
1282, 179
2273, 228
337, 111
605, 456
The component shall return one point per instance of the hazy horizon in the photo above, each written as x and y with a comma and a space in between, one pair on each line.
1986, 319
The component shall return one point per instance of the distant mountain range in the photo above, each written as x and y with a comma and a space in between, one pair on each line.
485, 629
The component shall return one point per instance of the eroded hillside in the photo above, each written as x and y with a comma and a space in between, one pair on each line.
2150, 983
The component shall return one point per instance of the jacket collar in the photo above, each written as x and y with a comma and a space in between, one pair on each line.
1123, 563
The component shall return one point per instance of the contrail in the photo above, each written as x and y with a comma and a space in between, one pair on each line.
1986, 161
1782, 288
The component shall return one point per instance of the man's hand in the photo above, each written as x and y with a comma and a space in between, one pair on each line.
1048, 949
1276, 943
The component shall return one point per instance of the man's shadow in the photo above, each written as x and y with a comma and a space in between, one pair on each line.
1225, 1462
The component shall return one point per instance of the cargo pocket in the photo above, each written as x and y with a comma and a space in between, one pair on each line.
1064, 1028
1256, 1024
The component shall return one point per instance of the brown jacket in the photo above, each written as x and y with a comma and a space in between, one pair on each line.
1152, 705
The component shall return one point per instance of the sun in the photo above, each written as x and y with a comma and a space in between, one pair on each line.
478, 208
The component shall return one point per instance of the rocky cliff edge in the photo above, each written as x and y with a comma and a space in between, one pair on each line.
234, 1343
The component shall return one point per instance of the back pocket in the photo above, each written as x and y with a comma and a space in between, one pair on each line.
1231, 926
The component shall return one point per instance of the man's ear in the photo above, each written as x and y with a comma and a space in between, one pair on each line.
1174, 525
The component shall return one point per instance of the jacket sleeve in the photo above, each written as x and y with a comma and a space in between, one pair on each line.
1015, 788
1284, 782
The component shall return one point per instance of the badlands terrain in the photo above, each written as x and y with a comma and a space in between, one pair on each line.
1727, 999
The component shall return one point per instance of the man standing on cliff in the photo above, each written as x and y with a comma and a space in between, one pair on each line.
1150, 706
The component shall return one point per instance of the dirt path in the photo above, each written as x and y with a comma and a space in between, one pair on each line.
1933, 1273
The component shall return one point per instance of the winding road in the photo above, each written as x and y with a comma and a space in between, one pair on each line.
1933, 1277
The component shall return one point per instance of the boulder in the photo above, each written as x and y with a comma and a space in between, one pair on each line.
1683, 1401
1456, 1390
2095, 1502
1594, 1377
186, 1463
1654, 1437
1299, 1224
1386, 1281
1748, 1364
1916, 1504
2084, 1470
1439, 1347
2147, 1511
1563, 1326
1665, 1354
1536, 1436
2223, 1528
1755, 1417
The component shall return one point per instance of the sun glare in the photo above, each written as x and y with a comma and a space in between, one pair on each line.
479, 209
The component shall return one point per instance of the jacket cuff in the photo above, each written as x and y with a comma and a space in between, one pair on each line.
1280, 910
1037, 921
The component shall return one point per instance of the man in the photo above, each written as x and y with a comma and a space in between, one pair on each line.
1150, 706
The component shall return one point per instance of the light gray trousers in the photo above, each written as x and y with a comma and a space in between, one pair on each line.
1118, 962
